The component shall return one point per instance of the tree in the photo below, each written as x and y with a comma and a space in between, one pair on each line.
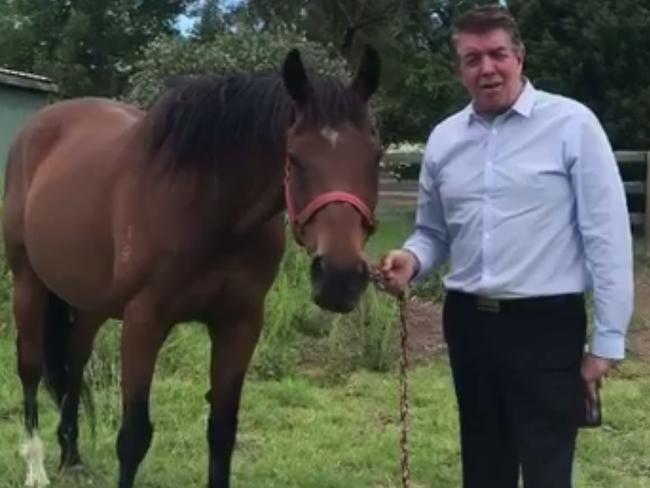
244, 50
87, 46
597, 51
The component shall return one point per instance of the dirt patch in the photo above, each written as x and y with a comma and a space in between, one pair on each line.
639, 344
425, 337
639, 337
642, 294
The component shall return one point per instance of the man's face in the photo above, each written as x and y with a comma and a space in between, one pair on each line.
490, 69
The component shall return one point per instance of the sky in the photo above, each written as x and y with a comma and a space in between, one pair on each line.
185, 23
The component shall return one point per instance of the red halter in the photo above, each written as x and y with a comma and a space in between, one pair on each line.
300, 218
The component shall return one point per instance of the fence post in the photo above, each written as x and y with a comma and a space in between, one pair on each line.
646, 226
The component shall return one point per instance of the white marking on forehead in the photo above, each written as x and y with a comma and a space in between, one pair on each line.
331, 135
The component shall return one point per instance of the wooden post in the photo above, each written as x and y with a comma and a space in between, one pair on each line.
646, 226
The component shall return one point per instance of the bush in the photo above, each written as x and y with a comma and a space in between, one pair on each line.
241, 51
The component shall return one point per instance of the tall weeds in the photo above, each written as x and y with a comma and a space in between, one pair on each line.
364, 338
287, 304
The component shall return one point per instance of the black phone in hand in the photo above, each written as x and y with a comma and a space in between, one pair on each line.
593, 415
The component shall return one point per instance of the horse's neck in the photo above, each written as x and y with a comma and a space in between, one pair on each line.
228, 200
264, 194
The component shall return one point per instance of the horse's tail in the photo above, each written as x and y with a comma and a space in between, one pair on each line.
56, 340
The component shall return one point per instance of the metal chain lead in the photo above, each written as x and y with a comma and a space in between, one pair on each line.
405, 470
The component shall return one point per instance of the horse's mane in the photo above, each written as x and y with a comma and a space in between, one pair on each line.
201, 119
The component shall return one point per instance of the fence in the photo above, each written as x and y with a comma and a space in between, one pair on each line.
398, 185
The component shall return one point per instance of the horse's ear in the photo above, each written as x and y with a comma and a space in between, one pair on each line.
366, 81
295, 78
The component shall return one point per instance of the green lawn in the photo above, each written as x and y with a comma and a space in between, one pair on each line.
302, 432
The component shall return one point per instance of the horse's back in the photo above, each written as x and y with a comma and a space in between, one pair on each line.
80, 126
64, 174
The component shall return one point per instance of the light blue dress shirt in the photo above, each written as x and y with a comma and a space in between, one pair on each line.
529, 204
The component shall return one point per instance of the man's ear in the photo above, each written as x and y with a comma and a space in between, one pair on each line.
521, 54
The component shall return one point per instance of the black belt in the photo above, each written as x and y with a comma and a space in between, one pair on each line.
497, 305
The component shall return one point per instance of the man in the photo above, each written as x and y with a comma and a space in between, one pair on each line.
520, 192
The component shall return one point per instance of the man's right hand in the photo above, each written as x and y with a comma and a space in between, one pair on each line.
398, 268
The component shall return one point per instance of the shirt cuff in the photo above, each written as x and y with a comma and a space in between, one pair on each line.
608, 346
421, 272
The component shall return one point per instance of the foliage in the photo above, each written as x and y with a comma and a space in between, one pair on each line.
251, 50
597, 51
426, 93
87, 46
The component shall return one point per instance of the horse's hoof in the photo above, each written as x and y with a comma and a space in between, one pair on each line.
37, 480
33, 453
72, 464
77, 467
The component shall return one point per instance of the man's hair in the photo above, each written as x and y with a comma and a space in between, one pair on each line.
486, 18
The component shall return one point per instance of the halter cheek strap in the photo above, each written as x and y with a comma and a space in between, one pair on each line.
300, 218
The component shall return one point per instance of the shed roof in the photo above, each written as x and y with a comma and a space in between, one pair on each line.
27, 80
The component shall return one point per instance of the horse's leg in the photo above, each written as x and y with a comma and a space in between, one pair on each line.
142, 337
233, 343
84, 330
29, 306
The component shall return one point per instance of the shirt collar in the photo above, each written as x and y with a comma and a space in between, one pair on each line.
523, 106
526, 101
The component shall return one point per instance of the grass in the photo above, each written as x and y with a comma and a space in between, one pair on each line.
324, 423
297, 432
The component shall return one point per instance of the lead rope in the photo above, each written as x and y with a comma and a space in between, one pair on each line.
377, 278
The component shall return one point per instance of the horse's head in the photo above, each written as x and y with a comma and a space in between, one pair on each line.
332, 172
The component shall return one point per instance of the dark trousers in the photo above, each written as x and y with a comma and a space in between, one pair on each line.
516, 370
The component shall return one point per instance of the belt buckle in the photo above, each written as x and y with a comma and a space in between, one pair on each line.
486, 304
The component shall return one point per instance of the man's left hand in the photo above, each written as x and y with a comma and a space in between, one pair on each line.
594, 369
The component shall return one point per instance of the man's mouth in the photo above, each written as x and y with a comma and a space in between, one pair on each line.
490, 87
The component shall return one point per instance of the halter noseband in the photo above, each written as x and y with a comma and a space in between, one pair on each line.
299, 218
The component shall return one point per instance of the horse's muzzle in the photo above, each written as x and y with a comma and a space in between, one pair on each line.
338, 288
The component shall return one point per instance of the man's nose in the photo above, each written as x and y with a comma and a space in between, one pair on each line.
487, 65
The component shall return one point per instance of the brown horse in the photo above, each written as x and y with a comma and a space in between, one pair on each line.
177, 215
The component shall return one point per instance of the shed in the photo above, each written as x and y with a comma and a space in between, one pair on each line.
21, 94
